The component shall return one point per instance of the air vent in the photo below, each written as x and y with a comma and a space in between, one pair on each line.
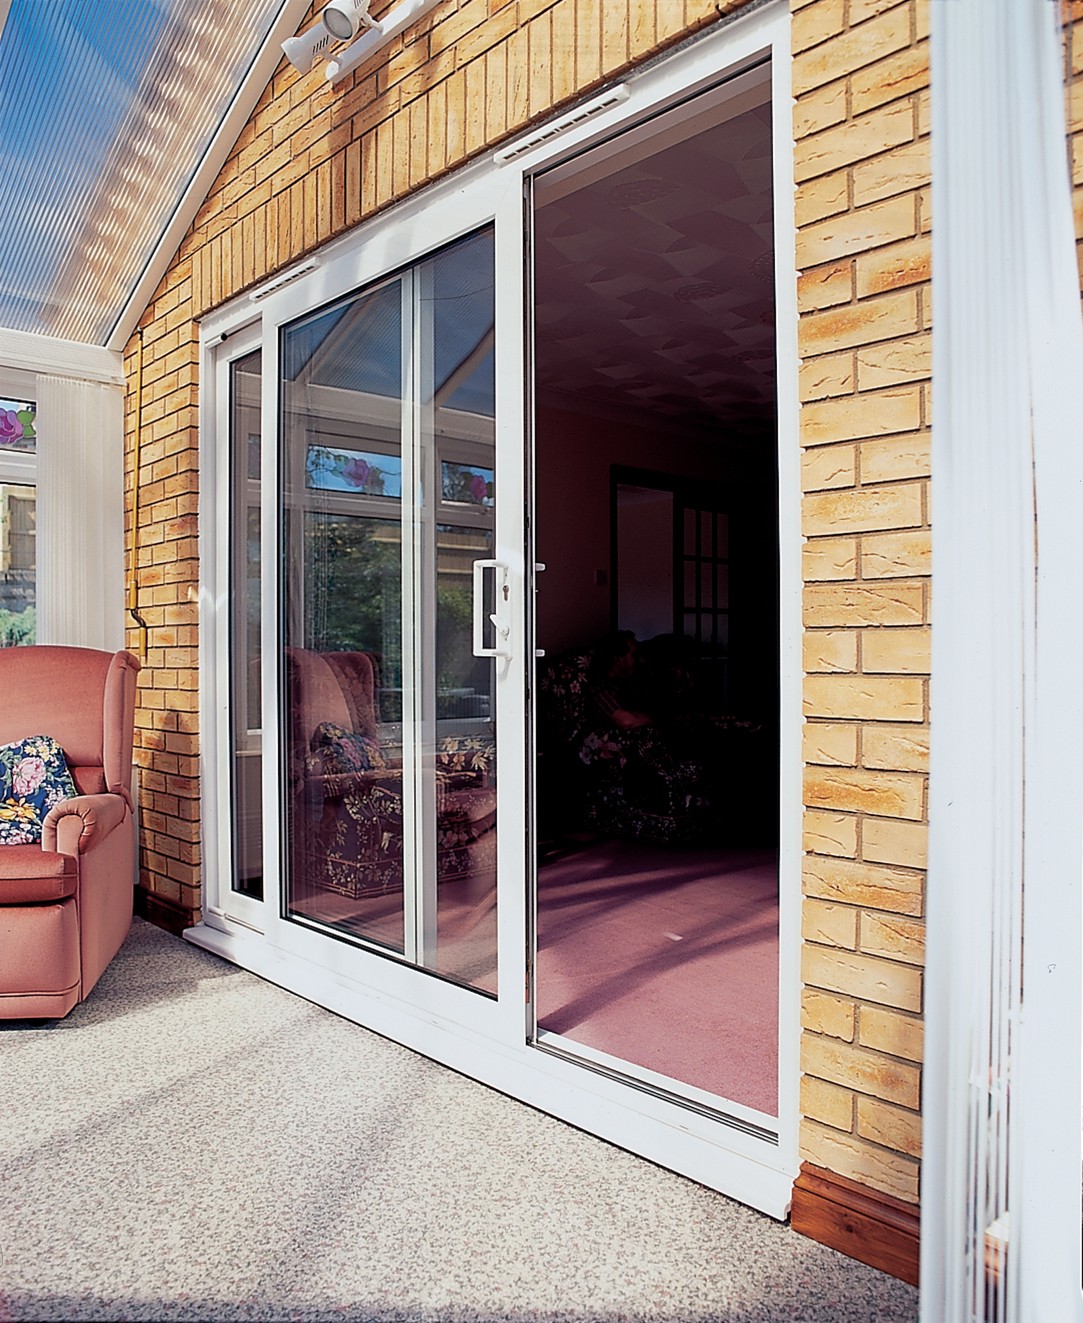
565, 122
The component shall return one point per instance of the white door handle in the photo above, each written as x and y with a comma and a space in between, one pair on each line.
502, 631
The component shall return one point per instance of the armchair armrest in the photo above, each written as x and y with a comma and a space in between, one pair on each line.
73, 825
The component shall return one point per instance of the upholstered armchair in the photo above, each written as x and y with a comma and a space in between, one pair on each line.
346, 791
66, 902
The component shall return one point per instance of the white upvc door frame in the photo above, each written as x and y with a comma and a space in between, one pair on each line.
220, 900
483, 1037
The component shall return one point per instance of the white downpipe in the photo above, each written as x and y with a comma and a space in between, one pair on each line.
375, 39
1002, 1089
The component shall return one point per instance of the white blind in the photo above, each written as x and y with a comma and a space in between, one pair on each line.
1001, 1168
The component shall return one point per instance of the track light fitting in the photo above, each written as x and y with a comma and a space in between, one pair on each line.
341, 20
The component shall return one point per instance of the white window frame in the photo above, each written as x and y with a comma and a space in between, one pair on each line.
21, 466
490, 1039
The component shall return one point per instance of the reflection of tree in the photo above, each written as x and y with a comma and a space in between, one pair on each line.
353, 590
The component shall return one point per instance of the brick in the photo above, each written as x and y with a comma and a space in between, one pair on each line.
858, 1068
868, 978
825, 286
887, 794
897, 361
867, 137
820, 110
829, 1103
891, 1031
851, 50
829, 743
851, 604
893, 937
822, 197
883, 1123
872, 885
888, 841
860, 10
886, 316
902, 264
829, 559
896, 652
822, 1013
829, 650
828, 467
867, 1164
829, 925
879, 413
830, 375
816, 23
897, 554
829, 833
900, 171
902, 75
867, 510
905, 456
857, 231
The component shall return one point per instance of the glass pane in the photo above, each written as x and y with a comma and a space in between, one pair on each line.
18, 563
459, 755
246, 736
342, 580
17, 425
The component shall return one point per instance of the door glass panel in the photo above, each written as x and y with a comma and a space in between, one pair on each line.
388, 478
341, 458
460, 744
245, 720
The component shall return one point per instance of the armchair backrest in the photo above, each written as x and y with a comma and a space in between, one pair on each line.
330, 686
84, 699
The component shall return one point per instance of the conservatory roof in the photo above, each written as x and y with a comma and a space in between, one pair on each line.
114, 120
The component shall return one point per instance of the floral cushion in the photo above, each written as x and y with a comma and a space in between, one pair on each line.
345, 751
33, 777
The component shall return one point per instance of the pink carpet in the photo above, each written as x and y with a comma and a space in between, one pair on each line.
668, 959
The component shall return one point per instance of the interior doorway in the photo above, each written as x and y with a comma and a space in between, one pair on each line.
656, 516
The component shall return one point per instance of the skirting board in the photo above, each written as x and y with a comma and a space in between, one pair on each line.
162, 912
875, 1228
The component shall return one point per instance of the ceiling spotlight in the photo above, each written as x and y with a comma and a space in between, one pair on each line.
345, 18
303, 51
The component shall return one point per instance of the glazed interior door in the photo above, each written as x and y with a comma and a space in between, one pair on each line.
393, 612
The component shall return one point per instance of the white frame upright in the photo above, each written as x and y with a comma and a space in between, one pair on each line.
485, 1038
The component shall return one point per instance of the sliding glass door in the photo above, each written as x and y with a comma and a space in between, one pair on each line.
391, 616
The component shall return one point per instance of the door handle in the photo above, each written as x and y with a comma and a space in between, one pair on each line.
502, 631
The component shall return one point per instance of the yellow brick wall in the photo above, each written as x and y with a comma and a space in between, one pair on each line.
314, 161
862, 165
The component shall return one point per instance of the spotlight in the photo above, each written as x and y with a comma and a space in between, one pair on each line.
303, 51
344, 18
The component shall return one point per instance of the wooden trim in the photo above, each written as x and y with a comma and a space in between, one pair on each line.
874, 1228
162, 912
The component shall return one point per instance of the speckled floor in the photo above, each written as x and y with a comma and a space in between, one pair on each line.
193, 1143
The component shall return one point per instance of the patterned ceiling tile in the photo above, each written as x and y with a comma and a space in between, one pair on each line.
655, 284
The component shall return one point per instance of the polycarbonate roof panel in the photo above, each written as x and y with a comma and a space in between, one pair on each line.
106, 110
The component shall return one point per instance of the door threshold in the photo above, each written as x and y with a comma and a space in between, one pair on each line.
761, 1125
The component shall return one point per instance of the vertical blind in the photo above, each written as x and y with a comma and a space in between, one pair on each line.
1001, 1165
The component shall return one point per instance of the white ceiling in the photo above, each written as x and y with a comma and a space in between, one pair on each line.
655, 280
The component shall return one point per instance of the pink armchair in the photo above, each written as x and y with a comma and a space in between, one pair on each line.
66, 904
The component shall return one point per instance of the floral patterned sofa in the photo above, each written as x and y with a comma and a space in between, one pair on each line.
680, 781
346, 791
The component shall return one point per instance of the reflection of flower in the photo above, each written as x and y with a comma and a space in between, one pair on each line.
27, 775
356, 472
478, 488
11, 428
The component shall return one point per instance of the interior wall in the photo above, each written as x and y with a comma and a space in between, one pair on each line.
574, 455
